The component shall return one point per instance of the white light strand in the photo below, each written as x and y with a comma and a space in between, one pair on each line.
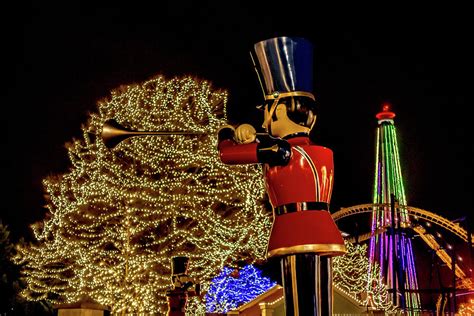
350, 277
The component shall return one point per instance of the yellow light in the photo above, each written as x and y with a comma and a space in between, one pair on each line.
352, 276
117, 217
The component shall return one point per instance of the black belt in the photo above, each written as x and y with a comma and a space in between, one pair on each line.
301, 206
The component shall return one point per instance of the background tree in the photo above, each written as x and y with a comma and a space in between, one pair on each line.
351, 275
234, 287
6, 270
11, 303
117, 216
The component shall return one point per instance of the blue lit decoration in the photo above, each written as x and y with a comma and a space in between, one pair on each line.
230, 289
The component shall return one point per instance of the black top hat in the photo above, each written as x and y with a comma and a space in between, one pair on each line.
179, 265
284, 64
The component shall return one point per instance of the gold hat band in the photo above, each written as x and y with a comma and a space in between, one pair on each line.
277, 96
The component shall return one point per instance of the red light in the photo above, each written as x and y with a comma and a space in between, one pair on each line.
386, 112
386, 107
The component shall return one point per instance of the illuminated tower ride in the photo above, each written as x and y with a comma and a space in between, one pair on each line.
389, 246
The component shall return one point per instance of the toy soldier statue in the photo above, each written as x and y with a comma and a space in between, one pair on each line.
183, 287
298, 174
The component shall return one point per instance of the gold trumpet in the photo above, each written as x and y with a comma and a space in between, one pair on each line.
113, 133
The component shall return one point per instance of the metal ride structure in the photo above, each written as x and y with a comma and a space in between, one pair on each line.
389, 246
393, 224
463, 279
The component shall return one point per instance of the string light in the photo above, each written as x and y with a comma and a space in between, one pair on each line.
116, 217
385, 248
466, 309
351, 278
228, 292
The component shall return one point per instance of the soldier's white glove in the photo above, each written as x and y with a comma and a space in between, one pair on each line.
245, 134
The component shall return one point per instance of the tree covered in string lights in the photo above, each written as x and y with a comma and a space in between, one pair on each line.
10, 302
228, 291
350, 276
117, 216
466, 309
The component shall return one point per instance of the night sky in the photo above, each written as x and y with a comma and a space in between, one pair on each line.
60, 59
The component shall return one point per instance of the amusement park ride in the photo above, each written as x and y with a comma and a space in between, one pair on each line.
463, 284
394, 223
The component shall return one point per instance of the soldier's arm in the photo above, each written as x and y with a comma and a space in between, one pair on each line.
273, 151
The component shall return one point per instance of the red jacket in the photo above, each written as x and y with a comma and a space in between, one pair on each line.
299, 189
